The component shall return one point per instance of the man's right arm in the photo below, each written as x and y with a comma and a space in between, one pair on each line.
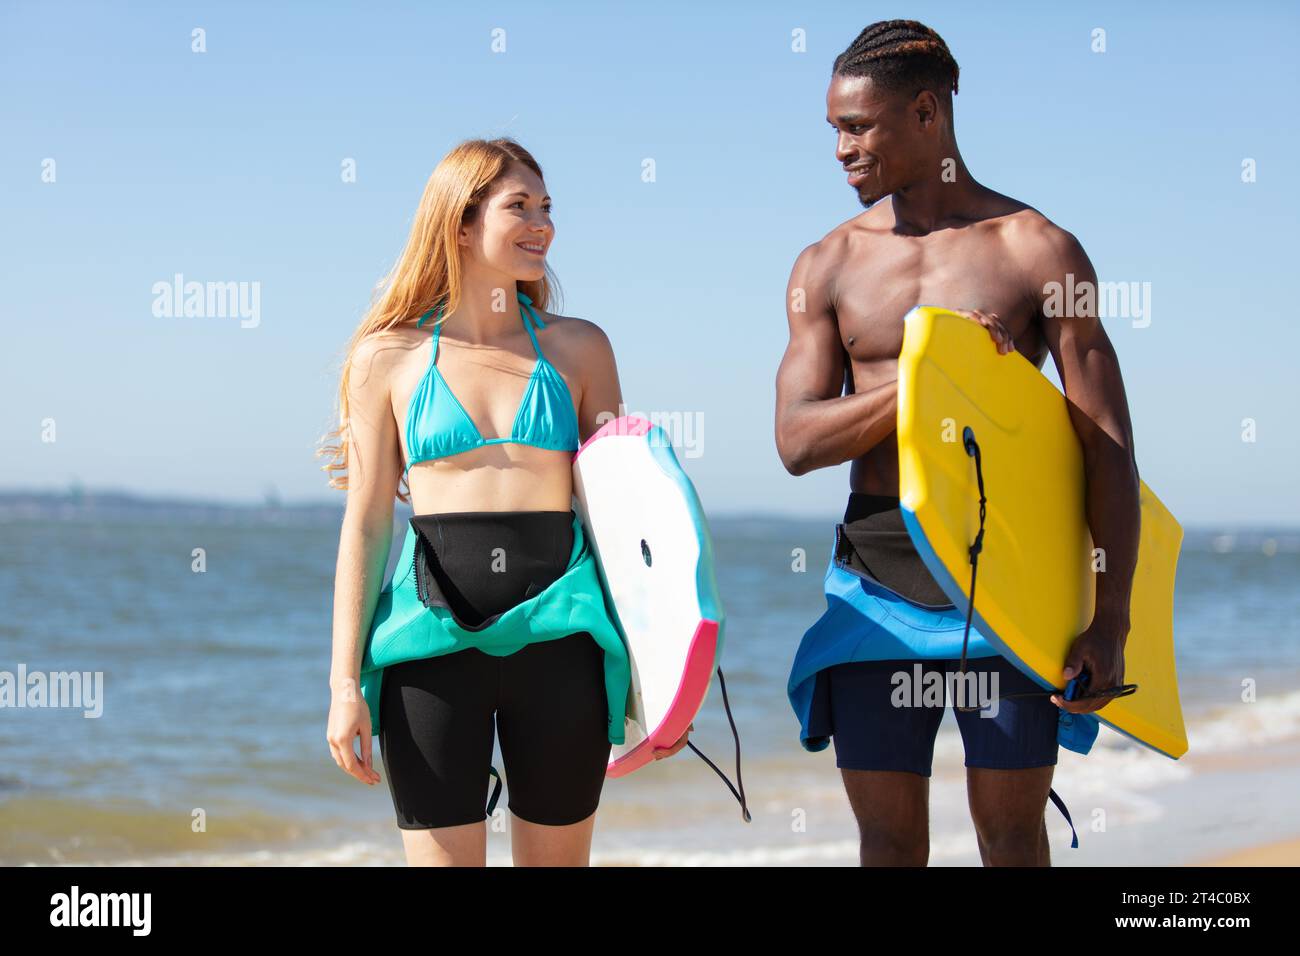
817, 426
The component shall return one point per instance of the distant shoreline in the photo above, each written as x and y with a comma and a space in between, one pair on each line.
116, 505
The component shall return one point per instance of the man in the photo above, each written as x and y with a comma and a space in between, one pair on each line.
942, 239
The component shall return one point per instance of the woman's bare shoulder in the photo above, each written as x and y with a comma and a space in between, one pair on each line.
379, 354
577, 347
580, 336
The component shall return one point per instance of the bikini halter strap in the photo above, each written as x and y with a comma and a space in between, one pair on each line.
525, 311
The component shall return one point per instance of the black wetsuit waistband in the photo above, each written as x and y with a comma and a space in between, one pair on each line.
880, 547
486, 562
862, 505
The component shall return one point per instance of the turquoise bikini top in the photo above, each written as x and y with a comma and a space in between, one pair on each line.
437, 425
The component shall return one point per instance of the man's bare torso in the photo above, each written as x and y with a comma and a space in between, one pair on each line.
874, 275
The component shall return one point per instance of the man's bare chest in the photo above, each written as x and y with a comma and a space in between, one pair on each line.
873, 293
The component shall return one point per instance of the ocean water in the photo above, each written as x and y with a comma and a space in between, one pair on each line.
214, 701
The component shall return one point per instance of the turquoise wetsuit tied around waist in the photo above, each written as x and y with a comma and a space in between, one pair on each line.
404, 629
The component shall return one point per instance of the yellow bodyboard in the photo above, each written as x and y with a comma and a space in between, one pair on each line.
1035, 587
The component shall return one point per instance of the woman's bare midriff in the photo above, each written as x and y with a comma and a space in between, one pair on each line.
505, 477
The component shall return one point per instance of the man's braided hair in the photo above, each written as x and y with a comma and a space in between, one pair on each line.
902, 56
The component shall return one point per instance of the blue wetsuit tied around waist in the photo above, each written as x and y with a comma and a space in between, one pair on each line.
867, 621
835, 693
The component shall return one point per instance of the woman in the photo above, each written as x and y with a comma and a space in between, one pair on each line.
494, 614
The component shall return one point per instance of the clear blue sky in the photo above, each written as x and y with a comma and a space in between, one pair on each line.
225, 166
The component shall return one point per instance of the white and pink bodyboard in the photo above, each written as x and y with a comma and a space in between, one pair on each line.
652, 545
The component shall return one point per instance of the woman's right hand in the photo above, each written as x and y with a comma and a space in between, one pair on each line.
349, 718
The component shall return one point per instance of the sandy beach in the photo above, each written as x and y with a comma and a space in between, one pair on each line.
1282, 853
